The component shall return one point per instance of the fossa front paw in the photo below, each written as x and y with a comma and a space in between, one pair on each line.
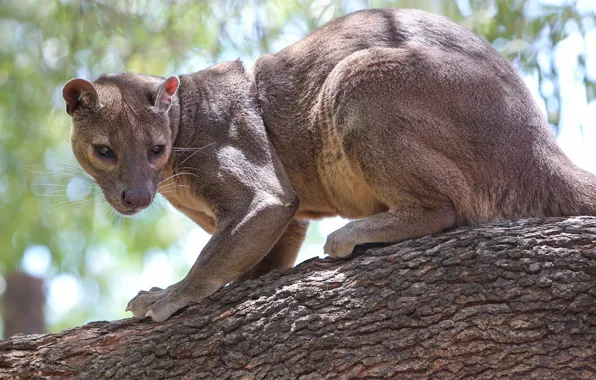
159, 304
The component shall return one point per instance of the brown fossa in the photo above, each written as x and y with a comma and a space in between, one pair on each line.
400, 119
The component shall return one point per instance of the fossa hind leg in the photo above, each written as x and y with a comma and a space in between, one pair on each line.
391, 226
397, 144
284, 252
418, 186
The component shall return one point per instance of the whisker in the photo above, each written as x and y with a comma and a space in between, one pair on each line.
184, 150
179, 174
189, 149
61, 191
109, 212
57, 188
197, 151
96, 217
181, 168
117, 219
172, 185
53, 194
68, 202
54, 191
163, 180
65, 202
65, 173
60, 169
73, 167
167, 192
49, 184
161, 183
78, 208
176, 175
50, 165
62, 205
61, 172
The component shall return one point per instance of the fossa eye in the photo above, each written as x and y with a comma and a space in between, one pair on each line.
104, 151
156, 150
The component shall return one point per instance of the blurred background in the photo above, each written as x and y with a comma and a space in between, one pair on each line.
65, 258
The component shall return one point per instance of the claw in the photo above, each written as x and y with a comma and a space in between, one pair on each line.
159, 304
155, 318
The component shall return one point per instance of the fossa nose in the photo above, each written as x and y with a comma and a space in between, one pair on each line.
136, 197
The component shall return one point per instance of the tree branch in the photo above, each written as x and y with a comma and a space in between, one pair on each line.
511, 299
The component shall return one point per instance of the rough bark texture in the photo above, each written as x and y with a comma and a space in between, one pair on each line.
513, 299
22, 306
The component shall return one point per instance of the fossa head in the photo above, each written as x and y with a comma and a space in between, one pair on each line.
121, 134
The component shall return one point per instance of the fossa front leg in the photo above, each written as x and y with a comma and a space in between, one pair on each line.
284, 252
235, 247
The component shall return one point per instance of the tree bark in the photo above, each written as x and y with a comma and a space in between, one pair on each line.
510, 299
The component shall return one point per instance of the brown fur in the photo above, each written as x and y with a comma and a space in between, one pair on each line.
400, 119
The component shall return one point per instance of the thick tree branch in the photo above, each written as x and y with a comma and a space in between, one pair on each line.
512, 299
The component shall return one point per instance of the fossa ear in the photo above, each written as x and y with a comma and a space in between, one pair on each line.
163, 97
79, 93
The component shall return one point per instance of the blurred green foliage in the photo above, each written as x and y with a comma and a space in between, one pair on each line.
46, 201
